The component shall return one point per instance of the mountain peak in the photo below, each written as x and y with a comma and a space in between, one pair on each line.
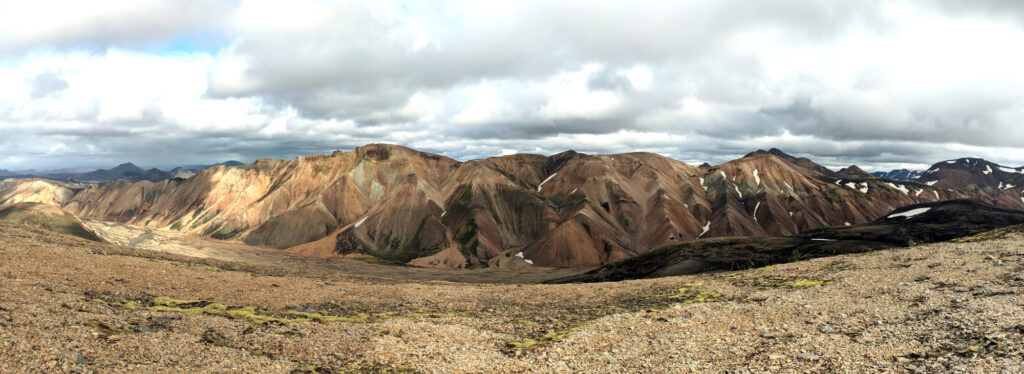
854, 171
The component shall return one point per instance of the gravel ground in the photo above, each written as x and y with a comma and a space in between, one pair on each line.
68, 305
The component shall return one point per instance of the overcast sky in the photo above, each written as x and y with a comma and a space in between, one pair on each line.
882, 84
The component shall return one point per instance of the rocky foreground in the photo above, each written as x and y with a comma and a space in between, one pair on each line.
70, 305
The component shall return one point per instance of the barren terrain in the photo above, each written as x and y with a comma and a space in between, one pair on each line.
72, 305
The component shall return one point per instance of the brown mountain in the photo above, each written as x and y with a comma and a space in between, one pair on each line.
568, 209
973, 172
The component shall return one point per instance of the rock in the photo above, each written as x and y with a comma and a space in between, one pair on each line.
809, 357
826, 329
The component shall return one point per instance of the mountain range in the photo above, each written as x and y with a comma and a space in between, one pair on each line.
899, 174
126, 171
566, 210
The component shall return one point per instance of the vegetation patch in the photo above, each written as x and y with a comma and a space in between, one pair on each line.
999, 233
107, 331
781, 282
206, 267
539, 332
380, 261
259, 316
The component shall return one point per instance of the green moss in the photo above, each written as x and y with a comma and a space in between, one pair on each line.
781, 282
999, 233
106, 331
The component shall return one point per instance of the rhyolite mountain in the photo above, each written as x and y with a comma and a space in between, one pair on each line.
915, 224
569, 209
801, 162
973, 172
899, 174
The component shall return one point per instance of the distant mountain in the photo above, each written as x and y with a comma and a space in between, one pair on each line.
899, 174
180, 172
973, 171
126, 171
854, 172
801, 162
197, 168
704, 165
5, 172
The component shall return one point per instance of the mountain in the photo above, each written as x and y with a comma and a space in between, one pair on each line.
47, 217
802, 162
973, 171
915, 224
5, 172
197, 168
854, 172
569, 209
180, 172
899, 174
128, 170
704, 165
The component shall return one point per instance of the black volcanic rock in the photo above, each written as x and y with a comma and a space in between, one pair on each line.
920, 223
899, 174
705, 165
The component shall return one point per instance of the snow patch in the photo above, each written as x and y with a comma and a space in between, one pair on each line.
758, 205
1009, 186
574, 190
790, 214
520, 255
988, 170
847, 223
443, 213
757, 178
545, 181
951, 162
1008, 170
787, 185
707, 227
899, 187
738, 190
864, 188
823, 240
360, 222
910, 213
936, 195
918, 193
723, 174
932, 183
701, 181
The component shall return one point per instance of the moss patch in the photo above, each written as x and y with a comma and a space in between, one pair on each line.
781, 282
1000, 233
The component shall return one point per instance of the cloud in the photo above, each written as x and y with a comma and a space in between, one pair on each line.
878, 83
46, 84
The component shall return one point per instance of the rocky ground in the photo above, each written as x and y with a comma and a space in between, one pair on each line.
69, 305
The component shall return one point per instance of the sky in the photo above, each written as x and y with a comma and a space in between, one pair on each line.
877, 83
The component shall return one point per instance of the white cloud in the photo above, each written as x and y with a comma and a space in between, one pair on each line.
875, 83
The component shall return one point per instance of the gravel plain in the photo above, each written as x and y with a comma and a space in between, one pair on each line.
69, 305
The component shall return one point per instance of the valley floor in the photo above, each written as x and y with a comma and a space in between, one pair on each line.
71, 305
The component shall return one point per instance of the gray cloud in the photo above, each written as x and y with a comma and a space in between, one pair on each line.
46, 84
839, 82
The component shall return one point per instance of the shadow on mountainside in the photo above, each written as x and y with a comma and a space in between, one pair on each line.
906, 226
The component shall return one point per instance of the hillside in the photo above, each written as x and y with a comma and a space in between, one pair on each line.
973, 172
906, 226
568, 209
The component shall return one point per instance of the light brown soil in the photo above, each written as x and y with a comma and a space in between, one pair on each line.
67, 304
